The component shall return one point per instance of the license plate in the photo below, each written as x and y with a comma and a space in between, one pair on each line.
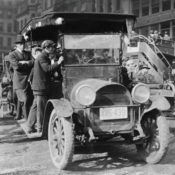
113, 113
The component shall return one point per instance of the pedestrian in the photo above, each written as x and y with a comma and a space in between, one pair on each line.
156, 35
160, 37
151, 35
41, 85
166, 36
22, 63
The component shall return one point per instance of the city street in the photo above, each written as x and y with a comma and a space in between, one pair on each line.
86, 72
20, 155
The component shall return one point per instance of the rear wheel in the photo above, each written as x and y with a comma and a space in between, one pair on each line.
155, 147
60, 140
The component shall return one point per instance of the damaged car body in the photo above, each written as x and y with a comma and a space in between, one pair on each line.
98, 103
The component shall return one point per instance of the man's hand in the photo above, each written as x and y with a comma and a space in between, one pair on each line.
61, 59
52, 61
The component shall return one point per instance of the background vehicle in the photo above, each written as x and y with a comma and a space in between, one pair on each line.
152, 68
97, 103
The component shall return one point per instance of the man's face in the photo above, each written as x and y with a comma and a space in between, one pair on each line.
51, 49
20, 46
130, 65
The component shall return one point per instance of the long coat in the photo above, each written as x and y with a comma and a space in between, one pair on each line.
21, 71
42, 73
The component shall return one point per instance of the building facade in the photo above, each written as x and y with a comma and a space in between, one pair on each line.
26, 10
155, 15
101, 6
8, 26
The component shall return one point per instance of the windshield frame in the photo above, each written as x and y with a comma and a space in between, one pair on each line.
99, 43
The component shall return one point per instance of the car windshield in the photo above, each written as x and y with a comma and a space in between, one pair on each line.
91, 49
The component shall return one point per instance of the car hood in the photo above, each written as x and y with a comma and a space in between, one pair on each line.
100, 87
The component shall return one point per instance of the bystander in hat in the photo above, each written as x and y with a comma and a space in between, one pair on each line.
20, 39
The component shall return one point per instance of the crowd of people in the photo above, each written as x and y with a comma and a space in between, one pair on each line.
158, 37
31, 73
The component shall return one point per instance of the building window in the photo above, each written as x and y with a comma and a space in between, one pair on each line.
46, 4
52, 3
136, 7
144, 31
93, 5
25, 21
109, 5
118, 5
32, 1
9, 27
1, 14
166, 5
155, 6
165, 27
9, 14
9, 42
9, 3
155, 27
2, 3
145, 7
16, 26
1, 41
1, 27
101, 6
32, 15
21, 24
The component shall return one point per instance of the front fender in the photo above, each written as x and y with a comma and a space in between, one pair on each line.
62, 107
158, 102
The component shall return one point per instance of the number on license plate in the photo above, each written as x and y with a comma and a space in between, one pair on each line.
113, 113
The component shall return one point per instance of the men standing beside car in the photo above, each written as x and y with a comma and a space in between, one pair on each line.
41, 85
21, 62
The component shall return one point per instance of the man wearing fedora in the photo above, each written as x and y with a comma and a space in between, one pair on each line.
22, 64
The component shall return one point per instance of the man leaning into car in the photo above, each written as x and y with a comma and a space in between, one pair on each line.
41, 85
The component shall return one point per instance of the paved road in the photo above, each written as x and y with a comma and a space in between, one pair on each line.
20, 156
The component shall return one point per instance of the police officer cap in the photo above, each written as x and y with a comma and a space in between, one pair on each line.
47, 43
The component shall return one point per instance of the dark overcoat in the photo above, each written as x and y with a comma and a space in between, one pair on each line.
21, 71
42, 73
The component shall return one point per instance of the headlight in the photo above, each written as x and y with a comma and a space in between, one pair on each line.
140, 93
85, 95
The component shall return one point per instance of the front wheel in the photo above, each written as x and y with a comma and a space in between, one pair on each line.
155, 147
60, 140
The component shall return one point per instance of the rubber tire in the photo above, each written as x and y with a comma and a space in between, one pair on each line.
66, 159
163, 137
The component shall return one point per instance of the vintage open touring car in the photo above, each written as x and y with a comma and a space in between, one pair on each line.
100, 102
